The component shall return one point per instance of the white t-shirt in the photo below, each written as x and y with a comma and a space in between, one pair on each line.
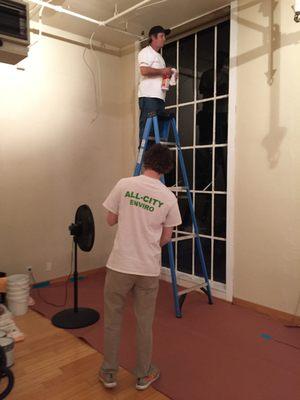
150, 86
144, 206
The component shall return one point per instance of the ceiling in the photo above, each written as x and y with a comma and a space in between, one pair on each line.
168, 13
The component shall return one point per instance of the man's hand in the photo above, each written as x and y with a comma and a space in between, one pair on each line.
167, 72
166, 236
111, 218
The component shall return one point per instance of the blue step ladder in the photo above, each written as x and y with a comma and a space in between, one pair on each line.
168, 123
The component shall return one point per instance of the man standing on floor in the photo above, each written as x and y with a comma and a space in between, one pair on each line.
152, 70
146, 212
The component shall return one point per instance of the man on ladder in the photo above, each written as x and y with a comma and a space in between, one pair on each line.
152, 71
146, 212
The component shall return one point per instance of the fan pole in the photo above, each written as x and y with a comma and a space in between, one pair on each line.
79, 317
75, 277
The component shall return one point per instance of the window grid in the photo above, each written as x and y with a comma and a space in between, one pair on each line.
177, 233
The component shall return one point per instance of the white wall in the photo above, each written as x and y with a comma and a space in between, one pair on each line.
53, 159
267, 189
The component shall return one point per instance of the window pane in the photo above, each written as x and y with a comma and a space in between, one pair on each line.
206, 249
221, 121
183, 203
186, 125
221, 169
223, 58
220, 261
203, 172
169, 55
188, 160
203, 213
205, 63
184, 256
170, 178
220, 215
186, 69
204, 123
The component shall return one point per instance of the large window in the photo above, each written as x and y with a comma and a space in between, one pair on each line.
200, 101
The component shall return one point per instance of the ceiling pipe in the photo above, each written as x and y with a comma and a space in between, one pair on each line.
105, 23
141, 3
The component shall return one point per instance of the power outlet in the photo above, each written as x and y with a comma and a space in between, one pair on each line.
49, 266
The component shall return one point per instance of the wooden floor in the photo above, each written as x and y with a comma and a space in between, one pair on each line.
53, 364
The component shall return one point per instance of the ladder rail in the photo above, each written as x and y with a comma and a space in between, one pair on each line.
190, 201
143, 146
170, 245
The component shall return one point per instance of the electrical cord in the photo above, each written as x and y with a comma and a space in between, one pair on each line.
96, 77
64, 284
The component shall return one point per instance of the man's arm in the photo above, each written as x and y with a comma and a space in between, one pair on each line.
166, 235
149, 71
111, 218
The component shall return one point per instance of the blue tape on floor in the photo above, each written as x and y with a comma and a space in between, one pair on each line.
41, 284
48, 283
265, 336
80, 278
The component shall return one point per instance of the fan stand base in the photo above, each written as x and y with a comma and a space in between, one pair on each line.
71, 319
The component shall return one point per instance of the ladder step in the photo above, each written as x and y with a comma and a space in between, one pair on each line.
178, 239
152, 139
191, 289
176, 188
168, 143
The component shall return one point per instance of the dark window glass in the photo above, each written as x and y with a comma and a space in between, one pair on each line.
185, 213
185, 125
186, 69
220, 215
170, 178
220, 261
184, 256
203, 212
221, 169
221, 121
206, 249
204, 123
223, 58
205, 63
188, 161
203, 169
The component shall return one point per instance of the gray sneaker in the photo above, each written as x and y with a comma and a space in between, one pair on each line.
108, 379
146, 381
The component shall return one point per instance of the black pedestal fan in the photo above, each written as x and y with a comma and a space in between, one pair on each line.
83, 232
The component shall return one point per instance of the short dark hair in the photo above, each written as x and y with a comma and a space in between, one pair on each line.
159, 158
150, 38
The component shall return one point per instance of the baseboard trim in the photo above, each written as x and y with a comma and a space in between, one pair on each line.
271, 312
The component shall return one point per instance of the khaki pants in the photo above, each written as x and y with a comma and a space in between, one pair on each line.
144, 289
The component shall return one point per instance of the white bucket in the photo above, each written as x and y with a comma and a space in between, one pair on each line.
17, 291
18, 284
18, 297
18, 307
17, 279
8, 344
